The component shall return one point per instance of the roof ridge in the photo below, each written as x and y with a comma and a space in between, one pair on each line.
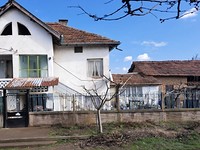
160, 61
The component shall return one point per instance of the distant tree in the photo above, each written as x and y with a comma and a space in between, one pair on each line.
176, 9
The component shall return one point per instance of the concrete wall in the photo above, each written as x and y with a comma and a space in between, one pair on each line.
71, 118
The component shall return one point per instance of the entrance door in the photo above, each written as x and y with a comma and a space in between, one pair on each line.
16, 110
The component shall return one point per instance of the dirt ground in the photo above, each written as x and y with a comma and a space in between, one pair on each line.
118, 136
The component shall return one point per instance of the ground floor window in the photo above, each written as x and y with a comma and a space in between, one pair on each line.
40, 102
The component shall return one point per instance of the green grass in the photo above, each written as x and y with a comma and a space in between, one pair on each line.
192, 142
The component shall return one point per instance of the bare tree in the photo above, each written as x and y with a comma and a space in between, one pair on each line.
177, 91
175, 9
196, 57
99, 99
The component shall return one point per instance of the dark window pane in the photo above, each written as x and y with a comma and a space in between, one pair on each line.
22, 30
78, 49
7, 30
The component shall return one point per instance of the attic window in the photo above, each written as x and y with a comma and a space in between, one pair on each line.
22, 30
78, 49
8, 29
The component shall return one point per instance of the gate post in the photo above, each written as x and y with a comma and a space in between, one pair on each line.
26, 109
4, 109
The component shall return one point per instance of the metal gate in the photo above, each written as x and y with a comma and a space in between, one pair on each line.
16, 111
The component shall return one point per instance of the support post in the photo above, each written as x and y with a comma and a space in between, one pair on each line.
163, 101
4, 109
26, 108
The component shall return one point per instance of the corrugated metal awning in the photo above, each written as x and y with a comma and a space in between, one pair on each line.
28, 83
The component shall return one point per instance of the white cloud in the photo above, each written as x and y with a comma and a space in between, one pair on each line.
154, 44
128, 58
143, 57
190, 13
125, 69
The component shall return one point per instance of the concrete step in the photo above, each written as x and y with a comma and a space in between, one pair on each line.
25, 144
35, 141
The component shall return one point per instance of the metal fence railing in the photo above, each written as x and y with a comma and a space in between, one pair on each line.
183, 100
78, 102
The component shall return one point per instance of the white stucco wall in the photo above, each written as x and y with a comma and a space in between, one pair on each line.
39, 42
75, 66
74, 74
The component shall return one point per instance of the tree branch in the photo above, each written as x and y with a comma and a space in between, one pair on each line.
133, 8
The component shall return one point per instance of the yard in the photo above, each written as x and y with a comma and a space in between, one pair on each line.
131, 136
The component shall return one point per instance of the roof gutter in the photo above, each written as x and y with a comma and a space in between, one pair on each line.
110, 45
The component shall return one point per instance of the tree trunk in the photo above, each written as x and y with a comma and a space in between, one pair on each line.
99, 123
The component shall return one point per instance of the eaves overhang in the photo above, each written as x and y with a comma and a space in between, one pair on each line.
111, 45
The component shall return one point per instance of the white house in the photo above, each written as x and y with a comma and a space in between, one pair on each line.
40, 62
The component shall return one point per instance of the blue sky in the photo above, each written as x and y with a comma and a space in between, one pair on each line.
142, 38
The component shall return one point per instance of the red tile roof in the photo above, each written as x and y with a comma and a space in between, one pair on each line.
167, 68
75, 36
134, 79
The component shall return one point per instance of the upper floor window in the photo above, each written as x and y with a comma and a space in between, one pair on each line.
78, 49
22, 30
7, 29
95, 67
33, 66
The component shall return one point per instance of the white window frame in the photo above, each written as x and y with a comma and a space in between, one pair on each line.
95, 67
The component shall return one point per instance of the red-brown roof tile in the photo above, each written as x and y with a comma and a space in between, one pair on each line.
75, 36
167, 68
134, 79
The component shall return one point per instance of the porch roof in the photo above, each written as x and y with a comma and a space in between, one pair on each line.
28, 83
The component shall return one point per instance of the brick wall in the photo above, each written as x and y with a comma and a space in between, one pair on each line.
176, 81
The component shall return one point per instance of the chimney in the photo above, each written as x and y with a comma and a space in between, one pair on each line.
63, 21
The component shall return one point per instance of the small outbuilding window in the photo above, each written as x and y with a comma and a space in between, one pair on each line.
22, 30
8, 29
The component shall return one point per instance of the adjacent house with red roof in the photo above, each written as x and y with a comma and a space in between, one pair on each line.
40, 61
181, 78
170, 73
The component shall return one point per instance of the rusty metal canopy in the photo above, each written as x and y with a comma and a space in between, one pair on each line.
28, 83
